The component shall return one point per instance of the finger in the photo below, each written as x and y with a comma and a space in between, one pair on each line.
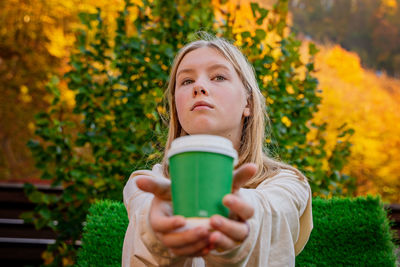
184, 238
158, 187
161, 219
236, 231
242, 175
221, 241
163, 224
198, 248
238, 206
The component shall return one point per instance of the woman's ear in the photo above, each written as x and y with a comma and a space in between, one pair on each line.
246, 112
247, 108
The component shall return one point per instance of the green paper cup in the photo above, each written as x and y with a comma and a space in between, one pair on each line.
201, 169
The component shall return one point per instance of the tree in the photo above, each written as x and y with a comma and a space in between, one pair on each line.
369, 27
369, 104
24, 66
36, 39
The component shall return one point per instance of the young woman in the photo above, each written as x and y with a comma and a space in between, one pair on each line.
213, 90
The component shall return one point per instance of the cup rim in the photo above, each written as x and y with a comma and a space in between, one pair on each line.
215, 144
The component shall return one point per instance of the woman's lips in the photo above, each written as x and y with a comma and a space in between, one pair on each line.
201, 105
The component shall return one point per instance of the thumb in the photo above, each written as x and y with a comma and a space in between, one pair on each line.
157, 187
242, 175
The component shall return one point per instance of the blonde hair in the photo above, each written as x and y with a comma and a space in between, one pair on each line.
253, 132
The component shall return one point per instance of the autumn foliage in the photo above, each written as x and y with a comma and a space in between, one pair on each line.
369, 27
370, 104
36, 39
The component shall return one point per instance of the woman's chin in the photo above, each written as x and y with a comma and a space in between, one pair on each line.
203, 130
201, 127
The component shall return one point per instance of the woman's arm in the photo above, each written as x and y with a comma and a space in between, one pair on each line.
141, 246
278, 204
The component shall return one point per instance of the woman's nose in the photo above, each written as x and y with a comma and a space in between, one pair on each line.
199, 90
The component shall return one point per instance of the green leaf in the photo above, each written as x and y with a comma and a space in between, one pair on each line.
254, 8
27, 216
245, 34
33, 144
76, 174
260, 34
312, 49
36, 197
131, 148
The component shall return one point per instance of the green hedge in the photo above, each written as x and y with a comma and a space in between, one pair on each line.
103, 234
347, 232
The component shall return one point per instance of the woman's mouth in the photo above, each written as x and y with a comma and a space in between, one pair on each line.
201, 105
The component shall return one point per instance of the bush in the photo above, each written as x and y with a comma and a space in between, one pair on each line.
347, 232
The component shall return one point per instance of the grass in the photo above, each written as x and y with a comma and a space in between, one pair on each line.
347, 232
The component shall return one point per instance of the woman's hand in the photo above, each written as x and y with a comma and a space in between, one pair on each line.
230, 232
192, 242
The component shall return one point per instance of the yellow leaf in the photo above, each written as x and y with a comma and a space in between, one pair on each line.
23, 89
31, 127
390, 3
67, 261
285, 120
48, 257
290, 89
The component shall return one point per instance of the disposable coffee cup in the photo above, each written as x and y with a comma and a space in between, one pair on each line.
200, 168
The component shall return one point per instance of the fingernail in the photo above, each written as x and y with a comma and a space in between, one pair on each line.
179, 222
228, 200
217, 222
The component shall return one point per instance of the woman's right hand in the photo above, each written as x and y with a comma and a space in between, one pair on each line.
191, 242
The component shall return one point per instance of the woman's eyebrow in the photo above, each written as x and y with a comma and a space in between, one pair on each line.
184, 71
218, 66
210, 68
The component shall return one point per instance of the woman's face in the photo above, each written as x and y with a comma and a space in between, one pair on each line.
209, 95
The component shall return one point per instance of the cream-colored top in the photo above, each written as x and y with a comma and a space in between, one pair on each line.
279, 229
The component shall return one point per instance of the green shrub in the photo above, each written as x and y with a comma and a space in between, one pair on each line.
347, 232
105, 230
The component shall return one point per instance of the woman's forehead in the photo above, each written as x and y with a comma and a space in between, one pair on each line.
204, 57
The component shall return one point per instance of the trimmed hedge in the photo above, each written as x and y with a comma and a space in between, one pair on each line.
347, 232
103, 235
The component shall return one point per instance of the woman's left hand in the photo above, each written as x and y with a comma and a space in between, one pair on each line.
229, 232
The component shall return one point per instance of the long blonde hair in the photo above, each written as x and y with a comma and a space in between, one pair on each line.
253, 132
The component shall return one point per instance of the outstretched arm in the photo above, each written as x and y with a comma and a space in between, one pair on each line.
198, 241
274, 229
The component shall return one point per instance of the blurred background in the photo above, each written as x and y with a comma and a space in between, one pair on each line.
358, 68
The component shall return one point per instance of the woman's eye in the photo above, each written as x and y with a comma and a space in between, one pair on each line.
219, 78
186, 82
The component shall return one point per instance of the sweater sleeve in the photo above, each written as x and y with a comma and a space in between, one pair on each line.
279, 203
141, 247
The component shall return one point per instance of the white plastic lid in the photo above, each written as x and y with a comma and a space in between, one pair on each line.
203, 142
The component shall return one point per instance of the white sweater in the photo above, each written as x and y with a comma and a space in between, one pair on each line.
279, 229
